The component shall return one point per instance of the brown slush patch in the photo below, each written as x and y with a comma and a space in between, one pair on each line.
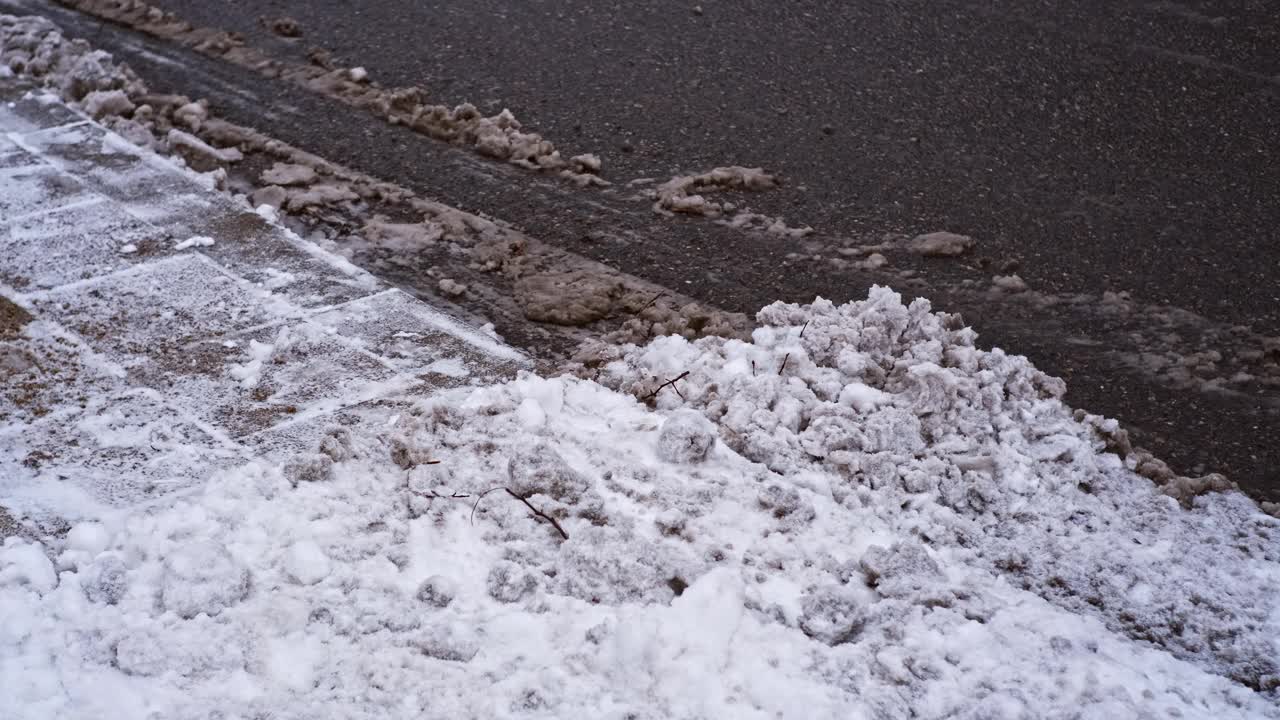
12, 319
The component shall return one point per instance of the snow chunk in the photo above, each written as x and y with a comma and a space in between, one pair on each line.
685, 193
941, 244
437, 591
452, 288
202, 577
586, 163
88, 537
196, 241
24, 563
100, 103
541, 470
863, 398
1009, 283
307, 563
686, 437
509, 583
833, 614
288, 174
201, 156
106, 581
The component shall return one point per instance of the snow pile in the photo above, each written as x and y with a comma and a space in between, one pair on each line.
33, 46
879, 521
895, 403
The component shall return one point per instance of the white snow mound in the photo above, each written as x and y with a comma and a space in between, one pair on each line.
858, 514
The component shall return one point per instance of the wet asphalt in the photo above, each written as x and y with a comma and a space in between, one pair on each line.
1093, 146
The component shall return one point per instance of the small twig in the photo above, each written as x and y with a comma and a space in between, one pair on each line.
479, 498
539, 513
672, 382
651, 302
787, 357
649, 333
437, 496
753, 368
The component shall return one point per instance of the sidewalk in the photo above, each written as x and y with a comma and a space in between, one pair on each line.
152, 331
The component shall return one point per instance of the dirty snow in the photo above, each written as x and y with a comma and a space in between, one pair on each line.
941, 244
687, 193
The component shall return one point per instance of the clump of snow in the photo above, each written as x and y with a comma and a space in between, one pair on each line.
541, 470
765, 223
32, 45
451, 287
284, 27
941, 244
192, 115
437, 591
585, 163
1009, 283
201, 577
289, 174
24, 563
686, 437
268, 212
271, 196
319, 195
686, 193
306, 562
194, 241
106, 581
403, 236
201, 156
88, 537
107, 102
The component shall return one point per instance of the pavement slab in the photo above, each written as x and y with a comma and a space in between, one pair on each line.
154, 330
80, 243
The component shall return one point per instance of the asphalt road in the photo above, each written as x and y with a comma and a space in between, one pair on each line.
1096, 146
1106, 145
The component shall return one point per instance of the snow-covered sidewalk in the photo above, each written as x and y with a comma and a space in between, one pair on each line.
242, 479
153, 331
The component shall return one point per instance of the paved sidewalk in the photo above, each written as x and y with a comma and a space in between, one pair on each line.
153, 331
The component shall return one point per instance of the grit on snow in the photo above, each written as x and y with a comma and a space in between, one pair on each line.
857, 514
